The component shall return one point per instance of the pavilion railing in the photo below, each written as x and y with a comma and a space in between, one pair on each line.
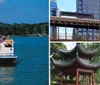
70, 37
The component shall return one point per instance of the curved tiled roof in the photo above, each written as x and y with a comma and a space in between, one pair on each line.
68, 53
77, 50
63, 63
86, 53
87, 63
83, 62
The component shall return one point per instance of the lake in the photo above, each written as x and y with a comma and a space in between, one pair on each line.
32, 62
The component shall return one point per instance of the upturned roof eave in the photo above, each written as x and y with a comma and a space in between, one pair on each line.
87, 53
80, 61
80, 50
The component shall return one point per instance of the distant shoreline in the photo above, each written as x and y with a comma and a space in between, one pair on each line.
23, 29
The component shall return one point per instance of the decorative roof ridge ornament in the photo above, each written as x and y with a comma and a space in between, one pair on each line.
77, 45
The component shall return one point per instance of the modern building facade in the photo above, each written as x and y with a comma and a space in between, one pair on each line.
53, 8
53, 12
89, 7
85, 14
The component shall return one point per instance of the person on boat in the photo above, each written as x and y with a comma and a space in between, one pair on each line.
2, 39
8, 42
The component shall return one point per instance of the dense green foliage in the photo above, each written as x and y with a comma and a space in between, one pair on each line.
93, 46
54, 47
24, 29
53, 51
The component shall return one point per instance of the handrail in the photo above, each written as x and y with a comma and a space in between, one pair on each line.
78, 19
62, 36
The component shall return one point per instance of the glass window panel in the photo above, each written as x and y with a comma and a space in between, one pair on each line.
90, 33
89, 2
95, 2
89, 11
80, 7
80, 11
95, 30
84, 29
89, 6
84, 11
84, 1
80, 33
95, 11
90, 30
80, 2
95, 33
53, 13
84, 6
79, 29
53, 5
50, 13
95, 8
96, 16
84, 33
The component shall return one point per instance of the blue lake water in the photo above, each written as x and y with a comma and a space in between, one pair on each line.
32, 63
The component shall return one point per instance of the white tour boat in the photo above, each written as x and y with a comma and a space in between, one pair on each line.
7, 56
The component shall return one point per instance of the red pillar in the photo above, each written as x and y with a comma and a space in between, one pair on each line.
93, 81
61, 83
90, 80
77, 79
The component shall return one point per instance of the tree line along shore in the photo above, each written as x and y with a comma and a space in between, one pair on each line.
22, 29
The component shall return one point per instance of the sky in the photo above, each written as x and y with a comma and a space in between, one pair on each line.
67, 5
70, 45
23, 11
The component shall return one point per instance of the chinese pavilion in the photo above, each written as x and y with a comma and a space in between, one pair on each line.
76, 62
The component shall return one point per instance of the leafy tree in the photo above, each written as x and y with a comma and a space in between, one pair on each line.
53, 51
93, 46
54, 47
23, 29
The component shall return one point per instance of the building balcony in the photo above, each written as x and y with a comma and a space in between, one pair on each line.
69, 37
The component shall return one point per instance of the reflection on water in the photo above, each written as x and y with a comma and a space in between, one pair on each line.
6, 75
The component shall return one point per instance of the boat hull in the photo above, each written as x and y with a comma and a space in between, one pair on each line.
8, 60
